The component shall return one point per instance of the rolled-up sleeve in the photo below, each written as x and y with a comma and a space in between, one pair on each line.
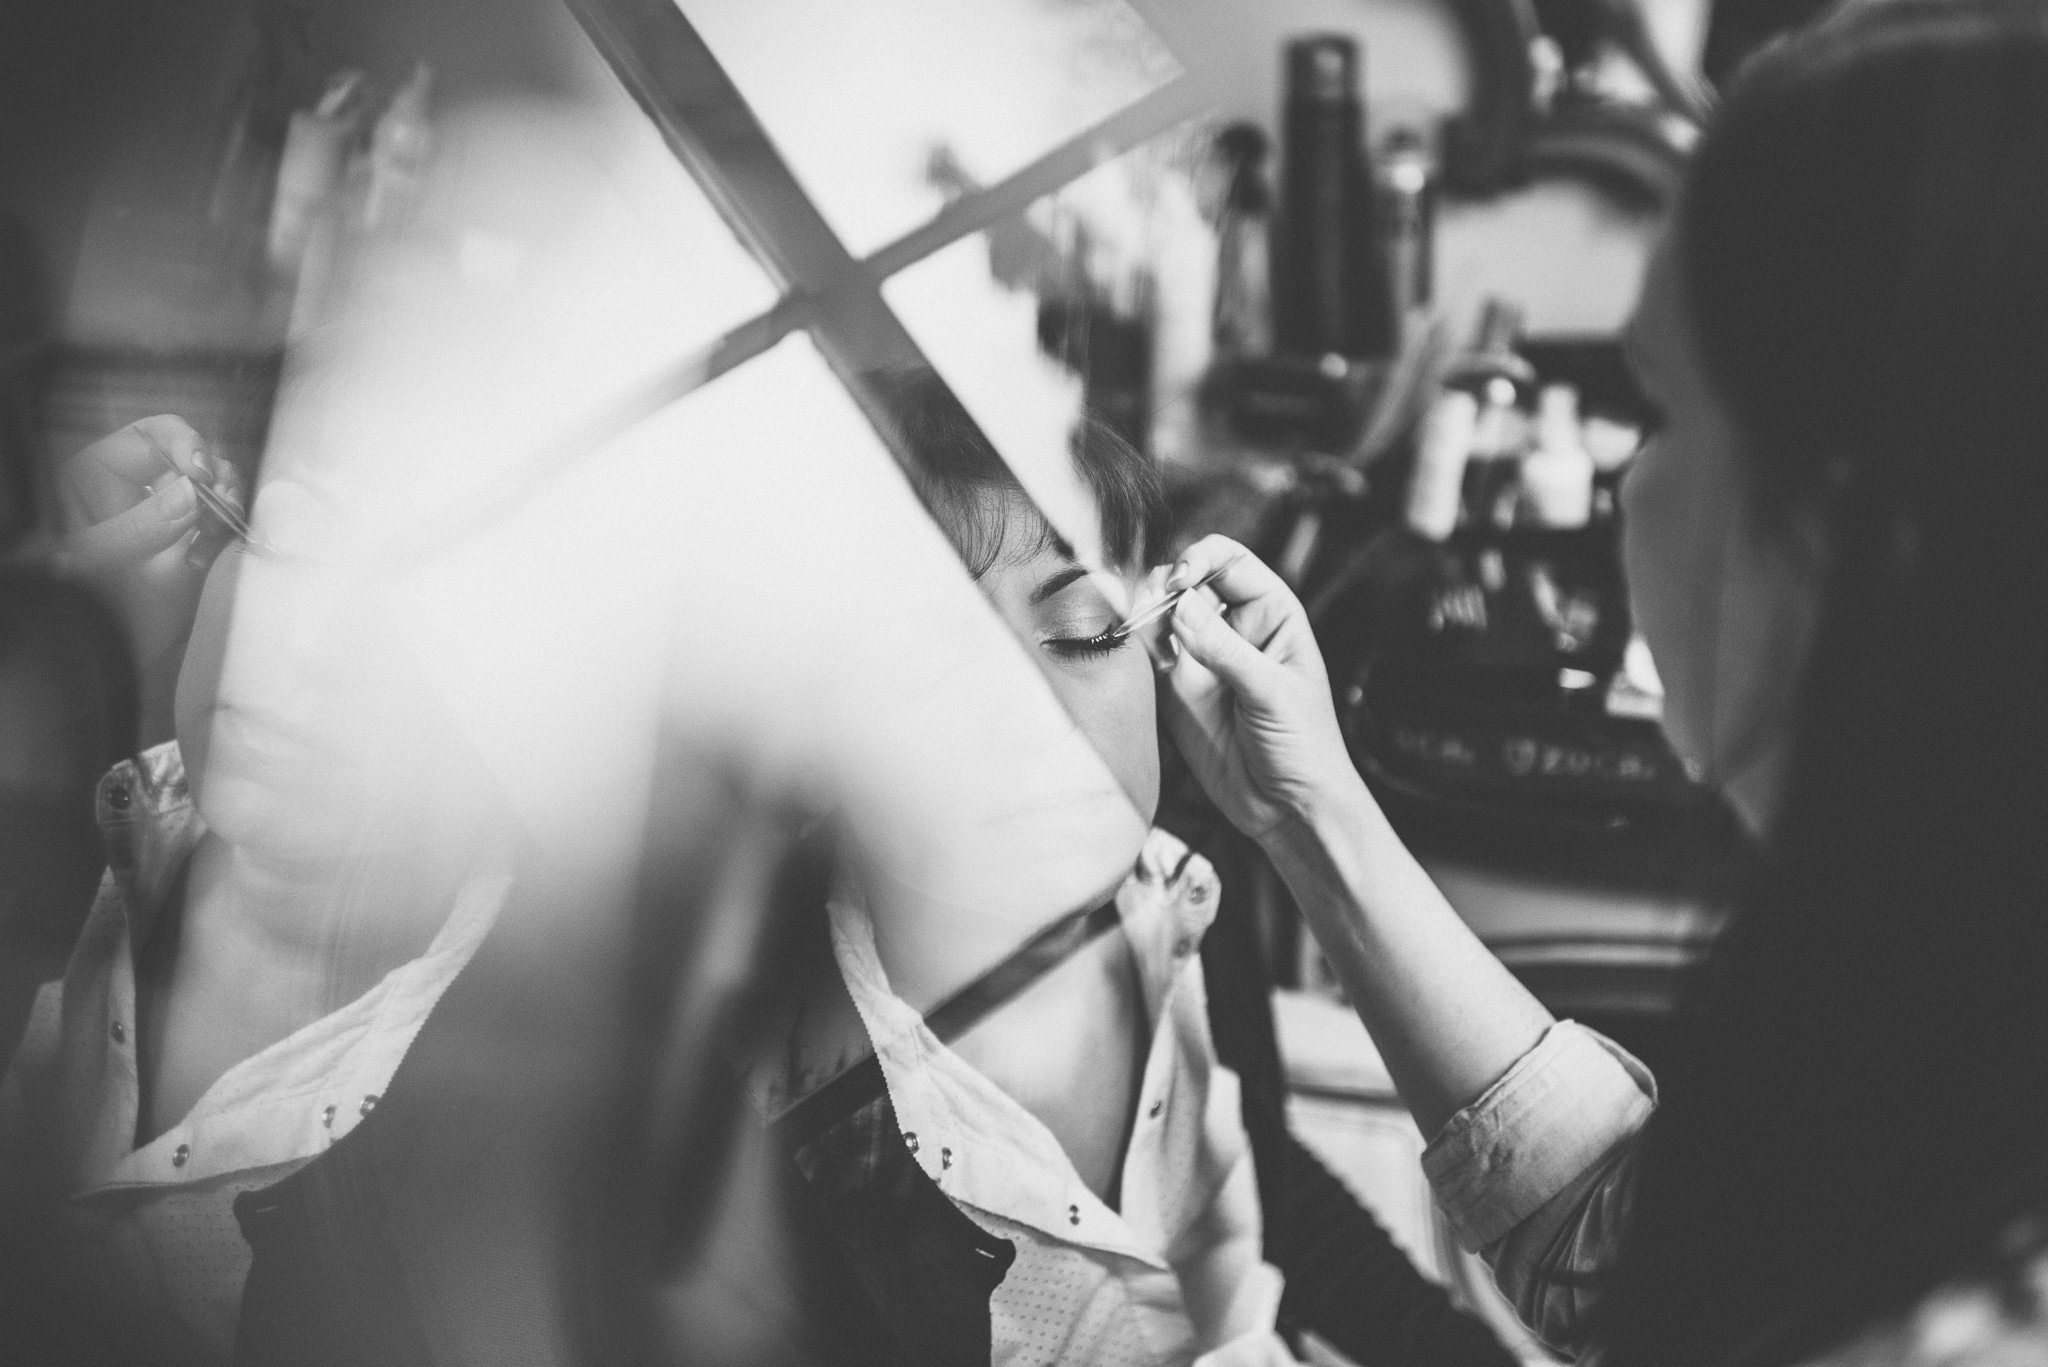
1534, 1175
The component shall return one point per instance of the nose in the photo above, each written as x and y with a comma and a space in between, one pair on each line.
281, 617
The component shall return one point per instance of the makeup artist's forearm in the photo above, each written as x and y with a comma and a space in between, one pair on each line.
1448, 1019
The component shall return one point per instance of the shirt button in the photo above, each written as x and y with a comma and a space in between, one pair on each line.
1157, 1107
327, 1116
178, 1157
117, 797
1199, 893
369, 1104
1074, 1215
945, 1158
1184, 946
910, 1138
120, 1033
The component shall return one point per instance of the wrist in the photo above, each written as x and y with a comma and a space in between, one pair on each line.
1330, 817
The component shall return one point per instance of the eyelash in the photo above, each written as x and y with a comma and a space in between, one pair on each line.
1085, 647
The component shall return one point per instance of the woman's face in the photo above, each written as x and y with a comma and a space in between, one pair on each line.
305, 732
1107, 687
1726, 599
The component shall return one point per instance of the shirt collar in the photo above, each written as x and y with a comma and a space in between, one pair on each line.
149, 825
1165, 904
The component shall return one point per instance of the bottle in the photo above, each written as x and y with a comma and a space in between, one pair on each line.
311, 167
1242, 323
1094, 319
1116, 380
1502, 383
1180, 247
398, 152
1557, 477
1436, 488
1329, 286
1611, 444
1407, 208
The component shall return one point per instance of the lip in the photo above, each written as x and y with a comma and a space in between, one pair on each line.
264, 732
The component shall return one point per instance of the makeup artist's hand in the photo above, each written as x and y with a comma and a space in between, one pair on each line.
1251, 707
137, 533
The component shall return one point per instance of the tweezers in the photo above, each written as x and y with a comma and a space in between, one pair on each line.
229, 515
1144, 616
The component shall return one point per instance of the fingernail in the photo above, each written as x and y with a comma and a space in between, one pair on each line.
204, 546
1179, 578
177, 497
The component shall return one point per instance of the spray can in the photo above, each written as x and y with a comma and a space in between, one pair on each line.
1329, 284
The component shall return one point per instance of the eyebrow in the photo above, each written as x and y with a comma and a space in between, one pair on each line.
1059, 581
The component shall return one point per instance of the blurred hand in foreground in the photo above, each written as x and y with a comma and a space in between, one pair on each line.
137, 532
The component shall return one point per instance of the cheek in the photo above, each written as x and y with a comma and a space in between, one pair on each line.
1113, 700
199, 673
1674, 531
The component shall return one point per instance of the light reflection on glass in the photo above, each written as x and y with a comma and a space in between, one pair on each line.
749, 567
1095, 299
747, 574
750, 570
858, 97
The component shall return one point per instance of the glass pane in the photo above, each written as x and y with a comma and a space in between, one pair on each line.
1096, 298
695, 272
557, 259
750, 569
192, 269
880, 107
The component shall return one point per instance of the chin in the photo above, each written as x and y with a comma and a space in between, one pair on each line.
1145, 797
263, 818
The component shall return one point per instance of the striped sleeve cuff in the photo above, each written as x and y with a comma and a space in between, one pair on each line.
1556, 1113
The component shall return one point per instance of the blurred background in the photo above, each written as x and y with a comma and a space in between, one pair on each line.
570, 312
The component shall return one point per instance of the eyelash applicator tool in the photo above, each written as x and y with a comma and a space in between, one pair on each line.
222, 510
1147, 615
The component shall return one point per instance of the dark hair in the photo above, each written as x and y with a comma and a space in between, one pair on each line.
25, 370
1859, 1096
975, 498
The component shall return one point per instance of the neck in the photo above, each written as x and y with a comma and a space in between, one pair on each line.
932, 945
336, 924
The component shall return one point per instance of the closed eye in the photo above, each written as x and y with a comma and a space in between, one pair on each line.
1085, 647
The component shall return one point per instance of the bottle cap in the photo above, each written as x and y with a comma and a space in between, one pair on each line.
1610, 443
1557, 478
1557, 417
1435, 488
1493, 354
1405, 163
1242, 143
1500, 326
1322, 67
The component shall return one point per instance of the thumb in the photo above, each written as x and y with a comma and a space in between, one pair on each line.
1213, 642
153, 525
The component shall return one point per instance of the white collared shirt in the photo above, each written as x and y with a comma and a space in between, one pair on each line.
1173, 1276
151, 1230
